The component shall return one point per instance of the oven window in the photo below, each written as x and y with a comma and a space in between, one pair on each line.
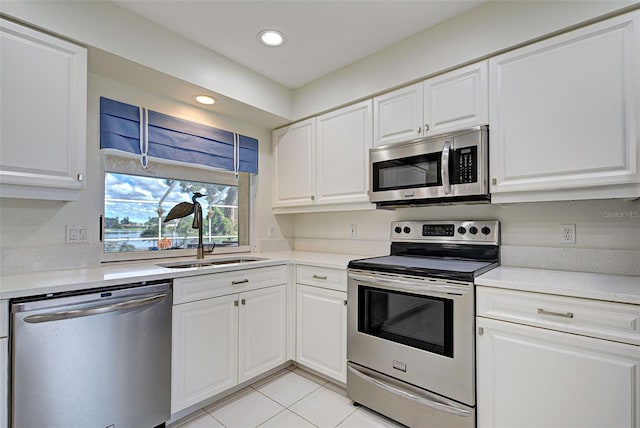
422, 322
406, 173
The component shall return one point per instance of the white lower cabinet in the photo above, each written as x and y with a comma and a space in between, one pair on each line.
262, 331
321, 327
204, 350
221, 341
530, 376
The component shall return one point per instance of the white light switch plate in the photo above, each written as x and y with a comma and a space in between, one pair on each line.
77, 234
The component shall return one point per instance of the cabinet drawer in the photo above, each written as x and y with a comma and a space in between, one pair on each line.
220, 284
595, 318
335, 279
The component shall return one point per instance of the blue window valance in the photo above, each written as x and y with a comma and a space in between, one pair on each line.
154, 135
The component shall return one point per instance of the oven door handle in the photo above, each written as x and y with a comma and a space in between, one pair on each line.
449, 408
412, 286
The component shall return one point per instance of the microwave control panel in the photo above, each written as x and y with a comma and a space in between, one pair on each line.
465, 165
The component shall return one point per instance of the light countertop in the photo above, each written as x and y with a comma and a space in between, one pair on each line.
613, 288
119, 273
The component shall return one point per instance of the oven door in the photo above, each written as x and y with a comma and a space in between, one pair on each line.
417, 330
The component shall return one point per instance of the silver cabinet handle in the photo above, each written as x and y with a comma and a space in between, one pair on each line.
344, 302
235, 303
418, 130
449, 408
244, 281
319, 277
243, 301
80, 177
444, 167
426, 127
96, 310
555, 314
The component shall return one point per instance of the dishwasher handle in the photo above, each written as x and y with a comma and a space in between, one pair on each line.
96, 310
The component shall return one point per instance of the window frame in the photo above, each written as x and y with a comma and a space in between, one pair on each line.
123, 164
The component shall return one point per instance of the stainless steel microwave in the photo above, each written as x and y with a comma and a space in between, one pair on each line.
444, 169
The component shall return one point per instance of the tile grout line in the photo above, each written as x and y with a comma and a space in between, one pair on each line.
289, 406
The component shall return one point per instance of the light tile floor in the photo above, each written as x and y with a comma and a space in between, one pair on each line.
292, 398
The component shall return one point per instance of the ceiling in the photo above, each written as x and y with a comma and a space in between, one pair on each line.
322, 35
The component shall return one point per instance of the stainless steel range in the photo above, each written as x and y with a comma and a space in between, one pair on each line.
411, 327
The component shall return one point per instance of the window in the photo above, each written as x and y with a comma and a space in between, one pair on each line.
137, 201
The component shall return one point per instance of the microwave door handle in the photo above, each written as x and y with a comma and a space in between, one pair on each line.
444, 167
449, 408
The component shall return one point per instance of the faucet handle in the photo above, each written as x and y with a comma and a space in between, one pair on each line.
207, 246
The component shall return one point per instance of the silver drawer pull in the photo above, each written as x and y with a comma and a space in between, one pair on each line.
555, 314
244, 281
319, 277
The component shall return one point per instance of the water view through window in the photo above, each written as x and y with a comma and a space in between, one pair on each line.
135, 207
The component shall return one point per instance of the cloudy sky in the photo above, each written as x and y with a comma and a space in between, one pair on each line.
147, 191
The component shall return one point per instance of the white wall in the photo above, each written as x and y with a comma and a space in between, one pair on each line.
607, 231
32, 232
489, 28
113, 29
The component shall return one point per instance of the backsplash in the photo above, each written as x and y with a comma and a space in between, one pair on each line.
16, 260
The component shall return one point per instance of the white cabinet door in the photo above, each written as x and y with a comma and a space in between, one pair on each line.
457, 100
43, 87
564, 115
204, 350
342, 154
322, 331
262, 331
294, 164
4, 382
397, 115
532, 377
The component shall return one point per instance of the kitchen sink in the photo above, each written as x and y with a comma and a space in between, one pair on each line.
212, 262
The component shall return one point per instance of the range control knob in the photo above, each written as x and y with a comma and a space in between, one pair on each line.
407, 229
485, 230
462, 230
398, 229
473, 230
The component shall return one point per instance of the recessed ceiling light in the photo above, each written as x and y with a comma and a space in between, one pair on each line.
271, 38
204, 99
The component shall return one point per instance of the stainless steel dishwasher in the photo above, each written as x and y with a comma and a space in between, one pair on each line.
96, 359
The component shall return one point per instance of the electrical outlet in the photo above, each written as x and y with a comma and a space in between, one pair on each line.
353, 231
272, 231
567, 233
76, 234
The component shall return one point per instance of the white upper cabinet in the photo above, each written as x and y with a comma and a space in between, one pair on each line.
448, 102
343, 140
397, 115
294, 164
564, 116
322, 163
43, 96
457, 100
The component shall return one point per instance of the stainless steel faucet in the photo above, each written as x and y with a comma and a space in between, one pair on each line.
184, 209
